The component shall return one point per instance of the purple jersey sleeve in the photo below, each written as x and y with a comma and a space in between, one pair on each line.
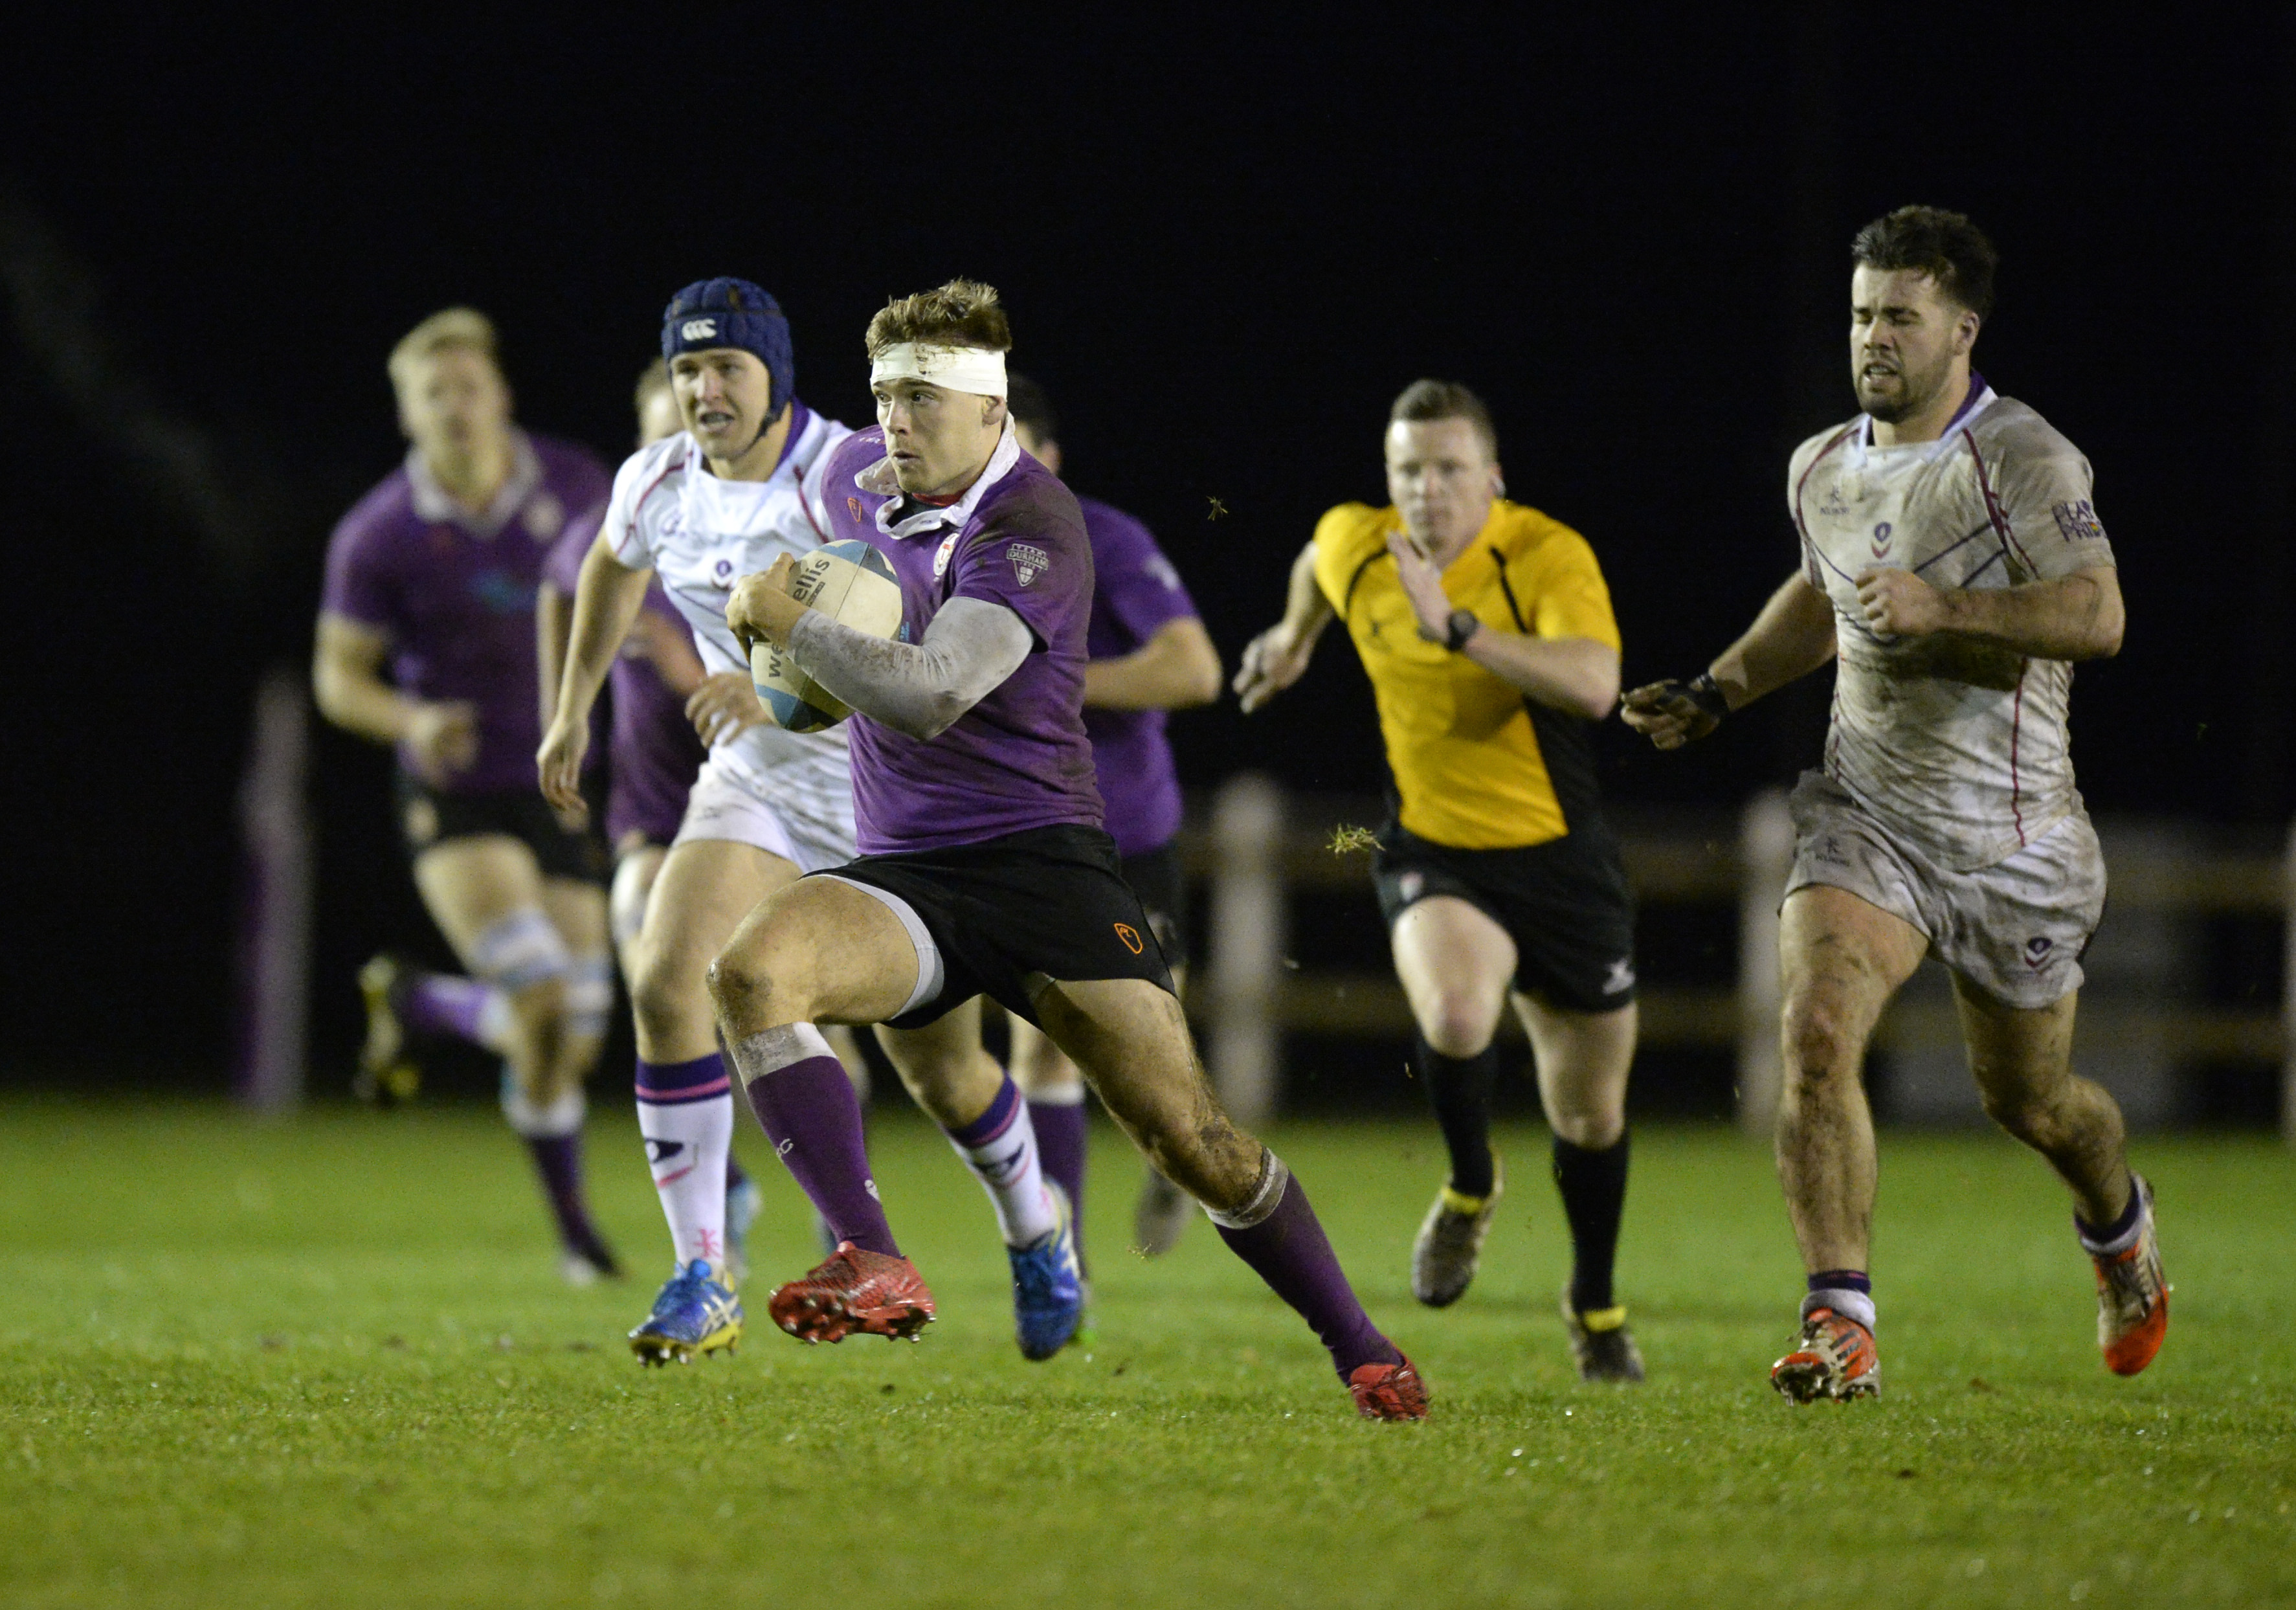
363, 584
563, 569
1136, 592
1038, 566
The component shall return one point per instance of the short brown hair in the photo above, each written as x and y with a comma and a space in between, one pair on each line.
1944, 245
963, 313
1424, 400
463, 327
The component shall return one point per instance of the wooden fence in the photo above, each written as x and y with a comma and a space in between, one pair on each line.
1256, 848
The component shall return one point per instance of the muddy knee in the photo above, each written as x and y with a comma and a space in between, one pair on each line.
1820, 1044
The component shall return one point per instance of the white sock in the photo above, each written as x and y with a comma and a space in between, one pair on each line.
685, 1114
1000, 1148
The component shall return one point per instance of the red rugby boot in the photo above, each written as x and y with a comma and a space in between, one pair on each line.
851, 1291
2132, 1295
1836, 1359
1388, 1391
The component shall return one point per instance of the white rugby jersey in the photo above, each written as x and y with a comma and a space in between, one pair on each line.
700, 535
1961, 744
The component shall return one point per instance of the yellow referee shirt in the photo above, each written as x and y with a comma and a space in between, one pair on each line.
1477, 765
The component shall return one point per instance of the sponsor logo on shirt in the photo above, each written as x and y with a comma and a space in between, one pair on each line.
1622, 976
1125, 932
698, 330
853, 506
2037, 952
2077, 521
1027, 561
941, 553
1882, 539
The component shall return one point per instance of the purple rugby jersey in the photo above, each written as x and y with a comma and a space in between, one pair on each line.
653, 752
1019, 759
1135, 593
453, 592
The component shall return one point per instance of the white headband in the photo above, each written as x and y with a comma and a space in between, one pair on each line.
972, 369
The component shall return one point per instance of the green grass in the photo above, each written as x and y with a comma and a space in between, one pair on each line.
328, 1363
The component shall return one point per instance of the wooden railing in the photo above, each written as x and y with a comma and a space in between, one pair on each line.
1257, 848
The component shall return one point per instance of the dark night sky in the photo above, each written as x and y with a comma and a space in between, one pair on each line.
1226, 244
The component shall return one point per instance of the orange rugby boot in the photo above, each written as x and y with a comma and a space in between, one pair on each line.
2132, 1295
1836, 1359
1388, 1391
854, 1291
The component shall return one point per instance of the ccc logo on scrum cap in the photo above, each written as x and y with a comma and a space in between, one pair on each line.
1130, 935
697, 329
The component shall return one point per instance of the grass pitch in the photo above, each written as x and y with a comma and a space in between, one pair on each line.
328, 1362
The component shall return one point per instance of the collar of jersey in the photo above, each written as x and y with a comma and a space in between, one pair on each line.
929, 520
699, 474
432, 503
1980, 397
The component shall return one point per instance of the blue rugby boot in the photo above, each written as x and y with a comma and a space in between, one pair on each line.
1048, 1285
693, 1314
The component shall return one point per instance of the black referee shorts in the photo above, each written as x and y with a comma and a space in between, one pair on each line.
1004, 917
1565, 904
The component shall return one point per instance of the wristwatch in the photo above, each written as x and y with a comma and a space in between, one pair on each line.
1461, 626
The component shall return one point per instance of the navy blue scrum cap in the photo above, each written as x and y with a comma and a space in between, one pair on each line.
733, 313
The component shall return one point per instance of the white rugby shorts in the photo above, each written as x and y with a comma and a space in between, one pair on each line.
2016, 929
724, 807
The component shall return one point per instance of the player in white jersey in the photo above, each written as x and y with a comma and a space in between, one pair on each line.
1952, 559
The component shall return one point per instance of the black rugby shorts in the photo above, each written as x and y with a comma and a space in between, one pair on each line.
1565, 904
1009, 912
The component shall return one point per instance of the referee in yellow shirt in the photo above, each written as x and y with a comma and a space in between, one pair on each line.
1486, 629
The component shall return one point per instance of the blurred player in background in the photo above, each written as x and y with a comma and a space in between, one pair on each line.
1952, 559
1150, 654
654, 750
435, 572
984, 868
1486, 629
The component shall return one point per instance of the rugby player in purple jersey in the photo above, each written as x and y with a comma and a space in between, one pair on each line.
740, 485
433, 574
1149, 654
984, 866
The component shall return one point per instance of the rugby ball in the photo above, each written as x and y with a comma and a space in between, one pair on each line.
853, 583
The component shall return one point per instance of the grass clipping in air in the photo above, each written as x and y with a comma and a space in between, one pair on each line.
1348, 839
329, 1361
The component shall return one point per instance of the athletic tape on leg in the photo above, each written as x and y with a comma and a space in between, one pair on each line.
589, 994
522, 949
1273, 1176
542, 1121
770, 1051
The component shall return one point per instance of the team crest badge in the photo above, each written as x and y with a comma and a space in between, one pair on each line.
941, 553
1027, 561
1125, 932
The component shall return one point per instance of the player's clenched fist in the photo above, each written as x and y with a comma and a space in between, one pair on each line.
761, 608
1673, 712
1899, 603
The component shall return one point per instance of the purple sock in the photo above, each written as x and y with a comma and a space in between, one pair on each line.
1059, 1148
1287, 1250
440, 1003
809, 1113
558, 1159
